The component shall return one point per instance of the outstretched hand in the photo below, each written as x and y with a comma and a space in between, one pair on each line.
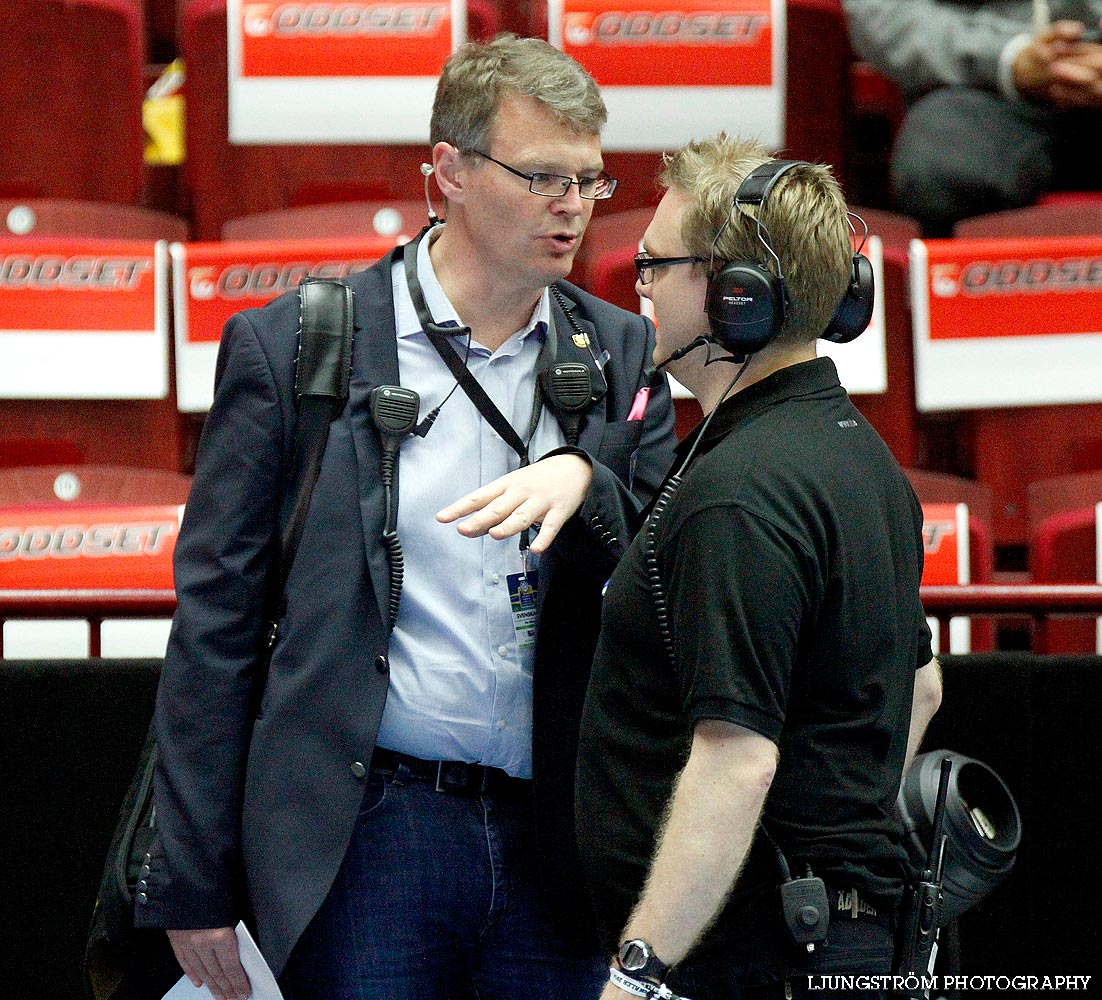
547, 493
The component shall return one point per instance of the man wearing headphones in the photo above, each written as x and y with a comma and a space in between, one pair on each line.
392, 804
764, 665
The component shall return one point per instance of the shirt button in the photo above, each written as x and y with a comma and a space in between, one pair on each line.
502, 650
357, 769
500, 724
496, 578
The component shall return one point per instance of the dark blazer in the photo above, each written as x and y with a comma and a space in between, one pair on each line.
255, 806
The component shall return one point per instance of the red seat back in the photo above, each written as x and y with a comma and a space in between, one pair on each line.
333, 220
66, 217
1063, 545
71, 75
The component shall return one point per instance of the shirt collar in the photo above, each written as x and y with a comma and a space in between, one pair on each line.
444, 312
804, 379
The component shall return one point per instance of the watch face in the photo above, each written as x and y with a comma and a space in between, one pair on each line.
634, 955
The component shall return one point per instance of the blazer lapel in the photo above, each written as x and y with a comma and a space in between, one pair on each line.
374, 363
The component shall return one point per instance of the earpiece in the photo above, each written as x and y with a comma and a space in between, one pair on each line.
746, 302
427, 170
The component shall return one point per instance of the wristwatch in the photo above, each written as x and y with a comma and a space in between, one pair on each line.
637, 958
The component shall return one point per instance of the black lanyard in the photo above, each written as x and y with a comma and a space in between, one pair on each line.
439, 338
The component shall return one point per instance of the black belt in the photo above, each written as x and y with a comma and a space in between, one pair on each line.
455, 777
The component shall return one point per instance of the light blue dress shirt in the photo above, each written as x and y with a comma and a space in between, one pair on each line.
461, 655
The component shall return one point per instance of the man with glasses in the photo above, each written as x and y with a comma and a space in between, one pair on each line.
764, 665
398, 817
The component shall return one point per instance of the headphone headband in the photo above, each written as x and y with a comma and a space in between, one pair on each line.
757, 184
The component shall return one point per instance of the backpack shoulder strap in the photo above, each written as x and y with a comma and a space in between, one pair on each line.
323, 369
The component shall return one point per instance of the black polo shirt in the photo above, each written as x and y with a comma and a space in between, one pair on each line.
790, 559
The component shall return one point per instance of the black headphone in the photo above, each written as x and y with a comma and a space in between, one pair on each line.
746, 302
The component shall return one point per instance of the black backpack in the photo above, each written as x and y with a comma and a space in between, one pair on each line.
122, 962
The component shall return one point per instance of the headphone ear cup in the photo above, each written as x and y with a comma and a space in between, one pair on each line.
854, 312
745, 307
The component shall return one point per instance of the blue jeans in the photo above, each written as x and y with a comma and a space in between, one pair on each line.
437, 899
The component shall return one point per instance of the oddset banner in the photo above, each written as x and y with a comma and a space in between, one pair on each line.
83, 319
343, 72
88, 547
1007, 322
674, 72
212, 281
945, 544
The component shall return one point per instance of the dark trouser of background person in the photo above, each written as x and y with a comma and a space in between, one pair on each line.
964, 152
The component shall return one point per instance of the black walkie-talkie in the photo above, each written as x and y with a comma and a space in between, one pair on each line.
568, 389
918, 943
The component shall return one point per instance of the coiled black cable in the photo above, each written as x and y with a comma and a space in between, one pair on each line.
650, 558
390, 538
650, 537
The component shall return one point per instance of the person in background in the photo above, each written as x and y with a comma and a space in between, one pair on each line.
396, 818
1004, 100
764, 665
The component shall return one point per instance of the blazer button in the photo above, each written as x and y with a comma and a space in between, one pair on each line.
143, 899
357, 769
381, 664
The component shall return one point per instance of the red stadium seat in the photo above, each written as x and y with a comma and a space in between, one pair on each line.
818, 101
71, 75
1078, 198
87, 528
65, 217
935, 487
1015, 446
1065, 213
893, 412
816, 108
333, 220
604, 263
1063, 533
226, 181
143, 433
18, 452
39, 486
161, 20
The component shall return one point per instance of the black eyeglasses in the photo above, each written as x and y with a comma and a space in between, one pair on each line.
646, 265
555, 185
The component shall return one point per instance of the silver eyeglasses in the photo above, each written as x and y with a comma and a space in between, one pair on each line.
556, 185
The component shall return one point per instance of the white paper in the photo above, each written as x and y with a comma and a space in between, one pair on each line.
263, 983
